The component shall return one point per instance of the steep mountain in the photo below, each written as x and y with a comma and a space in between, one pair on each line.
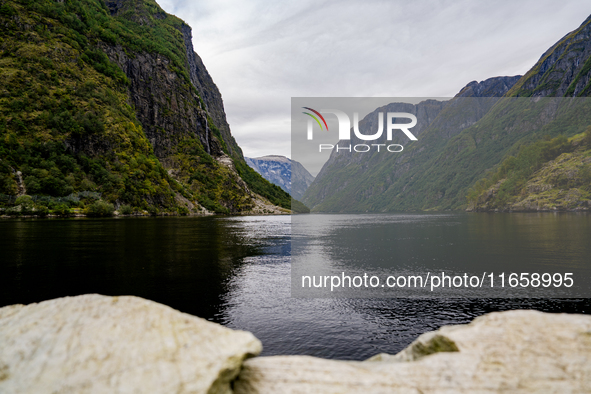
110, 97
470, 137
564, 70
288, 174
371, 181
548, 175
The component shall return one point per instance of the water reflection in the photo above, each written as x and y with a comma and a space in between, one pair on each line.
181, 262
417, 244
236, 271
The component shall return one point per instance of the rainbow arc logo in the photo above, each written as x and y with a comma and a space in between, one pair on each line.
315, 118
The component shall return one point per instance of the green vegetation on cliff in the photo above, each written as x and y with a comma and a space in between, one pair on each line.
64, 118
546, 175
70, 120
563, 70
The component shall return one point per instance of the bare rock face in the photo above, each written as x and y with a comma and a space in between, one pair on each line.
99, 344
562, 70
167, 107
506, 352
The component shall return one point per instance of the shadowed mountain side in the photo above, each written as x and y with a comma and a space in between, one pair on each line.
358, 181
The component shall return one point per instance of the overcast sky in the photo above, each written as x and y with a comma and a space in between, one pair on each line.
261, 53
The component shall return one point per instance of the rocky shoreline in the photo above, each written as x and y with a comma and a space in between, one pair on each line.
97, 344
82, 216
261, 208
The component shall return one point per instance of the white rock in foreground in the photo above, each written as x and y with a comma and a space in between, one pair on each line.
506, 352
99, 344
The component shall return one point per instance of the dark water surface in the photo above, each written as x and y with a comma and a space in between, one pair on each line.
236, 271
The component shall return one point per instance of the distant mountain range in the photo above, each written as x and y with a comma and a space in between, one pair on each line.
462, 140
283, 172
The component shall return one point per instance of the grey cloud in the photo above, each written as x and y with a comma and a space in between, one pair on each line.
262, 53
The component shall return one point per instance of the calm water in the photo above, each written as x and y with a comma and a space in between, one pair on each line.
236, 271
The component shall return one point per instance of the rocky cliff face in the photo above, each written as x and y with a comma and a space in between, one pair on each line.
209, 92
301, 180
183, 116
180, 115
167, 107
